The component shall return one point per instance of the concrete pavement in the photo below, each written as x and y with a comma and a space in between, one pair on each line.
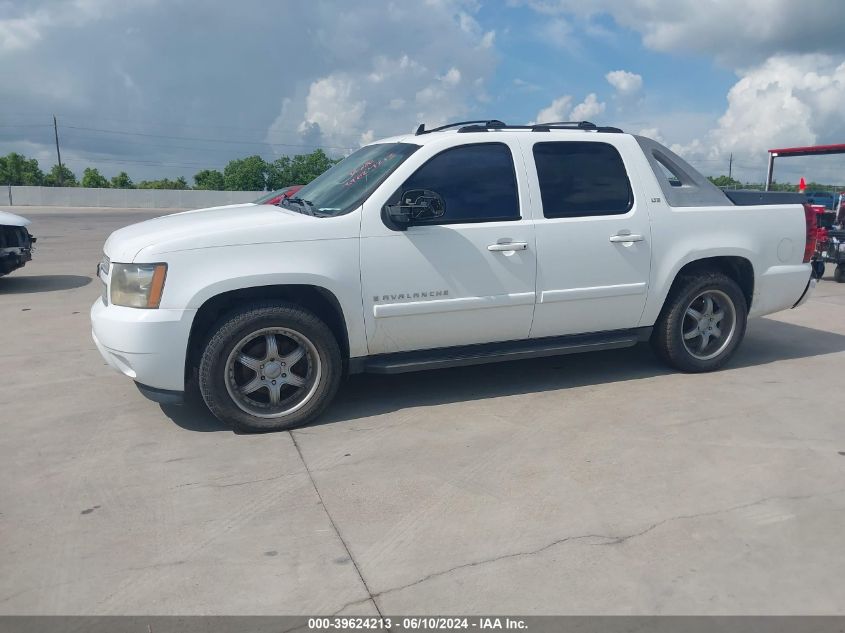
598, 483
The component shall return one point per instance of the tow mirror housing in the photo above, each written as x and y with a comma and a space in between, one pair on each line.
415, 206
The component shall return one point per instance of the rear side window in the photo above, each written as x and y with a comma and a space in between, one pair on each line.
477, 183
582, 179
670, 174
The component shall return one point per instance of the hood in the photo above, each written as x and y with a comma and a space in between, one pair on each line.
10, 219
205, 228
223, 206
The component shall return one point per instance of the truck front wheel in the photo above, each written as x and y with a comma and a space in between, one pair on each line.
702, 324
270, 366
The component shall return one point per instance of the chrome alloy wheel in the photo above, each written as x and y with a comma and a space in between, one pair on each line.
273, 372
709, 324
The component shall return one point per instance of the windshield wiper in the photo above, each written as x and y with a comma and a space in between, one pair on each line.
307, 204
302, 206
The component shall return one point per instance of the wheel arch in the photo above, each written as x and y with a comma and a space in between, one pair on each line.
738, 268
317, 299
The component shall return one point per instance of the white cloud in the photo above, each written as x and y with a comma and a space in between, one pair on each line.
556, 111
789, 60
789, 100
526, 86
558, 33
25, 30
560, 109
588, 109
343, 76
738, 32
652, 133
626, 83
488, 39
452, 78
333, 107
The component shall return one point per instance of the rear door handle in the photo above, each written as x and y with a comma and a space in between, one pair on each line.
508, 246
626, 237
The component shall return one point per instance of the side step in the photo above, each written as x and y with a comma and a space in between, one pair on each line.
497, 352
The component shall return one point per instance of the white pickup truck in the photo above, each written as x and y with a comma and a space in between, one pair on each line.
470, 243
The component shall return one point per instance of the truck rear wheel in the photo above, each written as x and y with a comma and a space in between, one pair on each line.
270, 366
702, 324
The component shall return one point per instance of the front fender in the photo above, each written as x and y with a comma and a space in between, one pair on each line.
194, 277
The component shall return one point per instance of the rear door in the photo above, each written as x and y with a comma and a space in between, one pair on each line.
593, 237
467, 277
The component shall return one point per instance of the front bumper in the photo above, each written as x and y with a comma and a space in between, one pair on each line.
149, 346
13, 258
162, 396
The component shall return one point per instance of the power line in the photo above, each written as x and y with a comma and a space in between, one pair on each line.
206, 140
159, 145
144, 163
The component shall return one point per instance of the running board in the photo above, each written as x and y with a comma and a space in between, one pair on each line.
462, 356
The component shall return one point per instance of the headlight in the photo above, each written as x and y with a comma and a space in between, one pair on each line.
137, 285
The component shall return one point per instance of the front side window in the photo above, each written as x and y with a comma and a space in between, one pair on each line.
582, 179
476, 182
350, 182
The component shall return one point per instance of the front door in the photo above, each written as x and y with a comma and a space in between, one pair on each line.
593, 238
463, 278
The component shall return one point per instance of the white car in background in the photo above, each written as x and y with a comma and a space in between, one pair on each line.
15, 242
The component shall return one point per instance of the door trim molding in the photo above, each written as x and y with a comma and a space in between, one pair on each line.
594, 292
411, 308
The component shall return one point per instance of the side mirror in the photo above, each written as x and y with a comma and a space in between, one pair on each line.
415, 205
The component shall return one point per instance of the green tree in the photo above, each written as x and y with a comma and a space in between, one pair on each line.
779, 186
297, 170
245, 174
68, 178
16, 169
164, 183
92, 177
122, 181
725, 181
209, 179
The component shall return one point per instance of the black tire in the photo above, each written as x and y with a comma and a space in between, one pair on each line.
838, 274
216, 374
668, 336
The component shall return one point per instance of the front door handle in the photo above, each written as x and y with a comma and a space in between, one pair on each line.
508, 246
626, 237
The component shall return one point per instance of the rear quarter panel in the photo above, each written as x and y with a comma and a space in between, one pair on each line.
771, 237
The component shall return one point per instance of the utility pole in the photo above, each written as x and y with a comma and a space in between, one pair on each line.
58, 153
730, 165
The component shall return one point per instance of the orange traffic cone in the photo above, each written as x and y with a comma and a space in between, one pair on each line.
802, 185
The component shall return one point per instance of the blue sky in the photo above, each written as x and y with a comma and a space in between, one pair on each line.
577, 63
164, 88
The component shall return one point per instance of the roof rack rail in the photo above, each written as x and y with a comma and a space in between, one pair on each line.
495, 124
581, 125
488, 123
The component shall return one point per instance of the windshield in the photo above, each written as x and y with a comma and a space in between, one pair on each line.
346, 185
